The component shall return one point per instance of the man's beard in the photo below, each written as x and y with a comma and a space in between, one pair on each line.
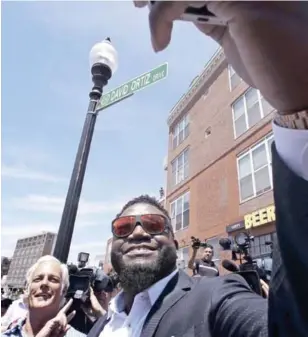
137, 277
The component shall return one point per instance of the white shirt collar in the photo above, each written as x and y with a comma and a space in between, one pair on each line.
117, 304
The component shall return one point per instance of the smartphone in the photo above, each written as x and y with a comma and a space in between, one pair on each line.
199, 15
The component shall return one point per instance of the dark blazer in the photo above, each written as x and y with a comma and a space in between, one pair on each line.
288, 302
225, 306
204, 307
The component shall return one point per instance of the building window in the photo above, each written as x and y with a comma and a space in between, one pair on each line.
180, 132
183, 257
261, 247
234, 79
248, 110
255, 170
180, 212
180, 167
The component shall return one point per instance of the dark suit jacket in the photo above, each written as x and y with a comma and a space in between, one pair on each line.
204, 307
225, 306
288, 302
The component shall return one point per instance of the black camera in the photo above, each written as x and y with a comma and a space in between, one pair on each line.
82, 278
251, 269
197, 243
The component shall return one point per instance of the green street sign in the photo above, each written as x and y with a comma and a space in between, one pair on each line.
130, 87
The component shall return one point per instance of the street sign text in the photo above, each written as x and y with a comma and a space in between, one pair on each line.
133, 85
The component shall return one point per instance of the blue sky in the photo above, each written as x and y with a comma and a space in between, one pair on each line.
45, 85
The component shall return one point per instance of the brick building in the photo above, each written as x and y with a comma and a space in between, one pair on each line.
219, 178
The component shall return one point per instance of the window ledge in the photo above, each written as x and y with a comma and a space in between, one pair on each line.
263, 119
255, 196
179, 184
180, 230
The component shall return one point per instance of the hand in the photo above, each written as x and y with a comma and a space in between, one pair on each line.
265, 288
195, 248
98, 305
266, 42
98, 302
58, 326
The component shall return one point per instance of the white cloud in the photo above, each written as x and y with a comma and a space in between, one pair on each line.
28, 229
39, 203
53, 204
22, 172
101, 245
26, 154
24, 230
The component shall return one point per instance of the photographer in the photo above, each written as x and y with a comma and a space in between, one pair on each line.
92, 290
204, 266
90, 312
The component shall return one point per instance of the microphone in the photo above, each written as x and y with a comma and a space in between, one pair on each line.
230, 266
225, 243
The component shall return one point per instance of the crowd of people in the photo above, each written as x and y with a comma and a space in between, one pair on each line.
47, 282
44, 303
267, 44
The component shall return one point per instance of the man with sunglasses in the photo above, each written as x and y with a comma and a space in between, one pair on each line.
160, 300
266, 42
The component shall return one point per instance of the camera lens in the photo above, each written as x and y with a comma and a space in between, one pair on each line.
241, 238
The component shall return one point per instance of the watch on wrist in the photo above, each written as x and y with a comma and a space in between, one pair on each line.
297, 120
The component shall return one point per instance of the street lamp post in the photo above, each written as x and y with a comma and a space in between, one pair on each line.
104, 61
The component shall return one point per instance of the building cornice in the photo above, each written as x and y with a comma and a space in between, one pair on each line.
199, 84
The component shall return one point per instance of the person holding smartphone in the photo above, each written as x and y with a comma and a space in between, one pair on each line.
267, 44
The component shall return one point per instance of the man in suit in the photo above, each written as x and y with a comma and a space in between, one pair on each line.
267, 44
158, 299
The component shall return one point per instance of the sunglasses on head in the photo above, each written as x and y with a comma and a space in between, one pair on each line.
153, 224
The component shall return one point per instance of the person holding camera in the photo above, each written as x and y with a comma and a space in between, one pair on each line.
204, 266
92, 290
90, 312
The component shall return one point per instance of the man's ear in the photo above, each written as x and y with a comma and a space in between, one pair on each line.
176, 244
